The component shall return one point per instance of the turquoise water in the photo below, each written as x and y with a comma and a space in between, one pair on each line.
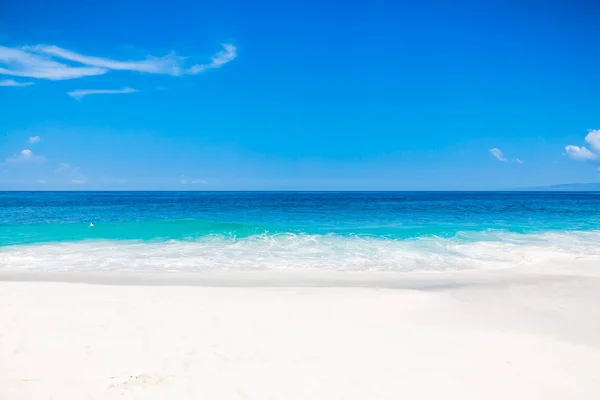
342, 231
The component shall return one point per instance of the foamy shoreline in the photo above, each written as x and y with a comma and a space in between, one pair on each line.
520, 333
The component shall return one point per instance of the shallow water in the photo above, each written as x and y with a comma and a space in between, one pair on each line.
392, 231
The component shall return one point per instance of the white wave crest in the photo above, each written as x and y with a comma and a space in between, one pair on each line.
322, 252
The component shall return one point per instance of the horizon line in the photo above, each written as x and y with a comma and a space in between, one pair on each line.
521, 190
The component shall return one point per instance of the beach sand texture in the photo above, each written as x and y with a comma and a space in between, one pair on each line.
480, 336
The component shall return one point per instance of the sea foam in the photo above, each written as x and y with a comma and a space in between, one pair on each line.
302, 251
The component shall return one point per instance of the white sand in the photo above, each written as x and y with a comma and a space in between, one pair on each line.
468, 336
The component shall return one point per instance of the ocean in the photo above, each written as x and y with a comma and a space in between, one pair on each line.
337, 231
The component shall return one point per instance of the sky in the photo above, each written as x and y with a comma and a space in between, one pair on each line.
298, 95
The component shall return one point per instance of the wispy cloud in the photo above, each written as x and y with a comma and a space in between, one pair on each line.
579, 153
169, 64
19, 62
65, 172
34, 139
229, 53
12, 82
41, 62
184, 181
25, 156
498, 154
80, 94
62, 167
77, 177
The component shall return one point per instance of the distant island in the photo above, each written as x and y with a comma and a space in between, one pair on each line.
565, 187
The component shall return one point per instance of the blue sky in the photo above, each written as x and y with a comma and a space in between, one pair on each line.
232, 95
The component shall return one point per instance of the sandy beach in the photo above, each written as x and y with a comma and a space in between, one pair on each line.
534, 334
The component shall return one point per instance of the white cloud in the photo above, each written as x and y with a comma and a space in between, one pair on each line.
583, 153
12, 82
79, 181
80, 94
229, 53
497, 153
25, 156
40, 62
184, 181
19, 62
169, 64
34, 139
579, 153
593, 138
42, 181
518, 161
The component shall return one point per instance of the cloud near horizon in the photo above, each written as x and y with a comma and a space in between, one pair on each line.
184, 181
80, 94
583, 153
25, 156
579, 153
72, 175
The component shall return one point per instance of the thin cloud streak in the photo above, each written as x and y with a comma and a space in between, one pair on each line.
80, 94
40, 62
13, 83
168, 64
24, 64
62, 167
184, 181
68, 174
498, 154
229, 53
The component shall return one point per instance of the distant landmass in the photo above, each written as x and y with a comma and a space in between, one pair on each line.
565, 187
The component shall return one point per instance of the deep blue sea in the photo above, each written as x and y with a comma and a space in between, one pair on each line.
190, 231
